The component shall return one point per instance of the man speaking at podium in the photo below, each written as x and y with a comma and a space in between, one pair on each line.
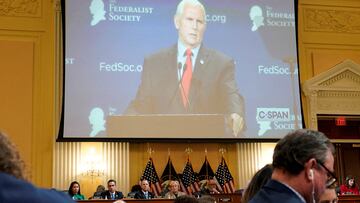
189, 78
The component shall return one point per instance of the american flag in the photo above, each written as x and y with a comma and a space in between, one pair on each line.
189, 179
206, 172
224, 177
151, 176
169, 172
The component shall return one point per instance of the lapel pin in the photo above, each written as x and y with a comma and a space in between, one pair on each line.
201, 61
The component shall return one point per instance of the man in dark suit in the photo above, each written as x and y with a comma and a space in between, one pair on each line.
145, 191
303, 162
16, 190
188, 77
13, 185
111, 193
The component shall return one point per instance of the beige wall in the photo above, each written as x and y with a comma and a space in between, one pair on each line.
29, 82
328, 33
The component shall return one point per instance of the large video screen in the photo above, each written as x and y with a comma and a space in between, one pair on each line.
176, 69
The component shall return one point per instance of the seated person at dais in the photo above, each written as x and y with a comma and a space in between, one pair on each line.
74, 191
145, 191
210, 187
134, 189
350, 187
174, 190
111, 193
99, 190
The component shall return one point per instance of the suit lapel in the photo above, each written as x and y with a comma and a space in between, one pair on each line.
202, 61
170, 75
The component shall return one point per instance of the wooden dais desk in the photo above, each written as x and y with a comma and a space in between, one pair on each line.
220, 198
349, 198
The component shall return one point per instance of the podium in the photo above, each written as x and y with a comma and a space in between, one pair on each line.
178, 126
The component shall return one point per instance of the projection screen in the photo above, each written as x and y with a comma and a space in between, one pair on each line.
122, 55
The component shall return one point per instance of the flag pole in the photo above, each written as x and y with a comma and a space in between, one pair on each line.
206, 163
168, 163
222, 165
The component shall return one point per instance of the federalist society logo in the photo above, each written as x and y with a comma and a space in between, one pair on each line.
270, 17
97, 10
114, 11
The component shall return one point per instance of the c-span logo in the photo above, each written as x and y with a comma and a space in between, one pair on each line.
265, 117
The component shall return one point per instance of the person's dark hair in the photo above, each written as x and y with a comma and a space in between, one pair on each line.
296, 148
257, 181
206, 199
185, 199
70, 188
111, 180
136, 188
10, 161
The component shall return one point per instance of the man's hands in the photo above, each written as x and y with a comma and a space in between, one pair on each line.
237, 123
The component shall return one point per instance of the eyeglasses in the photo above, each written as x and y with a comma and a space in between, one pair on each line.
331, 178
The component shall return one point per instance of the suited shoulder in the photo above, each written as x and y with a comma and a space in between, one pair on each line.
215, 54
162, 53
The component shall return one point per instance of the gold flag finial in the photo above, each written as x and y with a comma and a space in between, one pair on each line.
222, 151
150, 151
188, 150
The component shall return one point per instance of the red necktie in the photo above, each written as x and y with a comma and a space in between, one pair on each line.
186, 79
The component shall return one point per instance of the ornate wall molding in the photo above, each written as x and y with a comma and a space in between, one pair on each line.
332, 20
339, 94
344, 75
23, 8
346, 106
336, 91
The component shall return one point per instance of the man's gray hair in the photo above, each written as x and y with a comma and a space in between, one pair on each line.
296, 148
181, 5
10, 161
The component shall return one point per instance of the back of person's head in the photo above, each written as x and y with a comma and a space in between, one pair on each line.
258, 180
136, 188
100, 188
10, 161
296, 148
185, 199
329, 195
206, 199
